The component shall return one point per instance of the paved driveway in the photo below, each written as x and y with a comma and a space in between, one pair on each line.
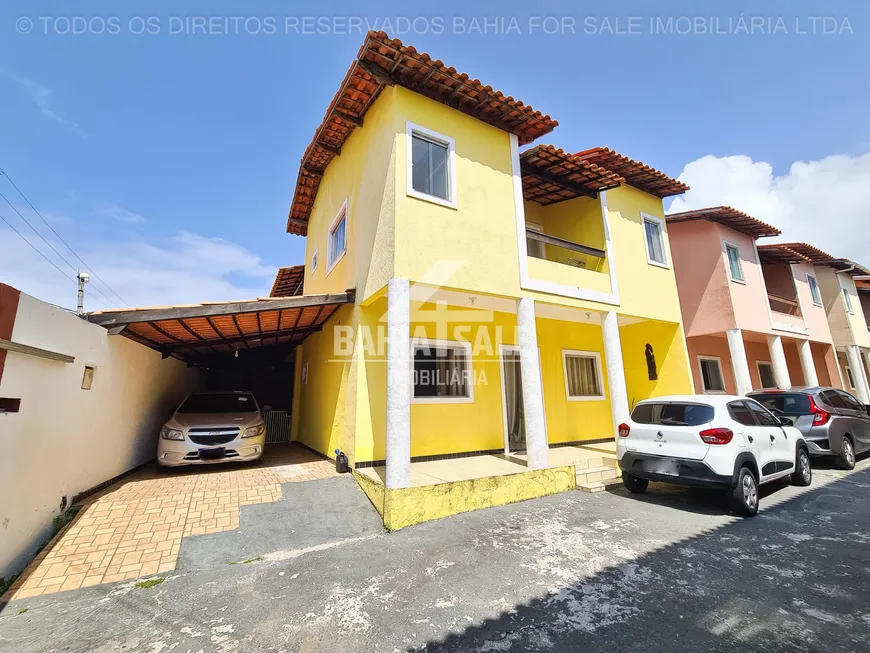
573, 572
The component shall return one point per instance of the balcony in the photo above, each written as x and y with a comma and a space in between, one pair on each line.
784, 305
565, 262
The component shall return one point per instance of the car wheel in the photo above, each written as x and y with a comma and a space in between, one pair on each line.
847, 454
803, 471
634, 484
744, 497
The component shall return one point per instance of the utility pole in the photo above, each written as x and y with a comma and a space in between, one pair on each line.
83, 278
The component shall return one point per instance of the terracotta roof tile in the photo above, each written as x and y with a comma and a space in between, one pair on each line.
636, 173
729, 217
288, 281
552, 175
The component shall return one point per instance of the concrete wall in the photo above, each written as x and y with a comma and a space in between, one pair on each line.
66, 440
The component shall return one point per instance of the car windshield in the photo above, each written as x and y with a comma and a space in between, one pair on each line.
235, 402
673, 414
792, 403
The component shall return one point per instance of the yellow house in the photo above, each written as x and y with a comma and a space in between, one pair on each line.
508, 301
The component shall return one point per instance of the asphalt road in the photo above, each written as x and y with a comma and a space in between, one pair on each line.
671, 571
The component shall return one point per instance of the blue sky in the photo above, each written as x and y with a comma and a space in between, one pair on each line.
168, 160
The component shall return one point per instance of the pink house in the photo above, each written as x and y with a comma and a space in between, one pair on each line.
752, 320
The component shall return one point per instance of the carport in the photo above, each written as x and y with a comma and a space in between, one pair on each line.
242, 345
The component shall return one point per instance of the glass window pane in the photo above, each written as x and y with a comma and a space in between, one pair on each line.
814, 289
848, 300
741, 414
337, 241
438, 170
764, 418
673, 414
654, 241
420, 165
441, 372
765, 371
712, 376
582, 375
734, 262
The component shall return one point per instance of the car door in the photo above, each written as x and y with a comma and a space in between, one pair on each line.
860, 420
756, 441
781, 445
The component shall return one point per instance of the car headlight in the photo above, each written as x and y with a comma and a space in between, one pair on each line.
171, 434
254, 431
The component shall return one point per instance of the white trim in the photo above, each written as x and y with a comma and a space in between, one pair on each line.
758, 365
313, 265
718, 362
646, 217
550, 287
725, 245
439, 139
583, 354
818, 290
465, 346
341, 215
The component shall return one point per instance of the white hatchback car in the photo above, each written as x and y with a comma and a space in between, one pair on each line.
717, 441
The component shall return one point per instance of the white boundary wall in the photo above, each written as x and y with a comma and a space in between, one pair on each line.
66, 440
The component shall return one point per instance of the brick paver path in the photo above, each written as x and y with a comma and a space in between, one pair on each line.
134, 528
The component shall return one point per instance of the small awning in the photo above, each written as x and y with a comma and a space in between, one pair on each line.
289, 282
552, 175
192, 331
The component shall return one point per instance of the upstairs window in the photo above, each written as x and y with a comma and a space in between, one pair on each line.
848, 299
814, 290
735, 263
336, 245
430, 166
655, 241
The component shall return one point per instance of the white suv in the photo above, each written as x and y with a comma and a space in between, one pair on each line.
718, 441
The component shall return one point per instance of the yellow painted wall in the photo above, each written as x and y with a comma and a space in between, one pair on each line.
644, 290
364, 174
674, 375
571, 420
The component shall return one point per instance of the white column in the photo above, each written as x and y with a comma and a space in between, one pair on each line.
533, 395
777, 359
738, 361
398, 384
615, 369
807, 365
853, 355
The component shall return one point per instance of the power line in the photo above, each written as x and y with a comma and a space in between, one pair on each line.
42, 254
71, 266
96, 276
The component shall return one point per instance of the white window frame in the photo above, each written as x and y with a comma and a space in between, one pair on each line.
758, 365
314, 257
718, 362
453, 344
585, 354
644, 218
847, 300
818, 292
725, 245
427, 134
341, 215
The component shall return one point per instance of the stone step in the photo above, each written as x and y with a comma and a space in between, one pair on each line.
596, 461
599, 486
594, 474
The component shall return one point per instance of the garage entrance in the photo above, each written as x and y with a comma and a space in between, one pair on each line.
247, 345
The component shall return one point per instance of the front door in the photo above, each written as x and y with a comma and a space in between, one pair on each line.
512, 392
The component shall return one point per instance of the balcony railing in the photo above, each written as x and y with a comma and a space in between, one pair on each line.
554, 241
783, 305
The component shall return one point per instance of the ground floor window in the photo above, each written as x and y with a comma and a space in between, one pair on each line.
582, 375
711, 374
849, 378
442, 371
765, 374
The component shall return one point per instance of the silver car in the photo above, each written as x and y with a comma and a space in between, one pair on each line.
833, 422
213, 427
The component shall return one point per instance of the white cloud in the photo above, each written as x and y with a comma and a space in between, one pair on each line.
185, 269
41, 95
824, 203
119, 213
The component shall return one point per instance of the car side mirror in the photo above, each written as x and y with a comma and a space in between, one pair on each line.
785, 421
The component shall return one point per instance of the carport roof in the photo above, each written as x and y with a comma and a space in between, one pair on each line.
191, 331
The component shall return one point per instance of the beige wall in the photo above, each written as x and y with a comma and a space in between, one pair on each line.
66, 440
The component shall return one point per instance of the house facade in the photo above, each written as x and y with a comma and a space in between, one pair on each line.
507, 300
754, 315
